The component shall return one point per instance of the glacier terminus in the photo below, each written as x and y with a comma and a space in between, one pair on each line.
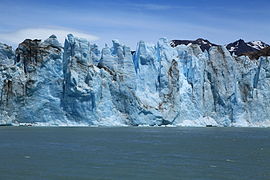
46, 83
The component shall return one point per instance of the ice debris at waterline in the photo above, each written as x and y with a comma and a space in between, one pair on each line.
44, 83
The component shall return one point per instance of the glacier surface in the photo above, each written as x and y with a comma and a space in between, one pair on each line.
44, 83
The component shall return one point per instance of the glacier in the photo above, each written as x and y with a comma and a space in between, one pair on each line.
78, 84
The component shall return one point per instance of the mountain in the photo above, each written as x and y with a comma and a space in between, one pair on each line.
241, 47
258, 45
257, 54
44, 83
203, 43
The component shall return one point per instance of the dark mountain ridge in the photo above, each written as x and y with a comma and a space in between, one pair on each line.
203, 43
253, 49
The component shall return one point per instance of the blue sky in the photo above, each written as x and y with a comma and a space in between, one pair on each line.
130, 21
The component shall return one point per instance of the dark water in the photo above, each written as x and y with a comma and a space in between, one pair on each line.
134, 153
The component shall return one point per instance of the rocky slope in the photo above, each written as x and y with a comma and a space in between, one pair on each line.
238, 48
45, 84
257, 54
203, 43
241, 47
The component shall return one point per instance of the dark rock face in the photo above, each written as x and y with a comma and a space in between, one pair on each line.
203, 43
257, 54
241, 47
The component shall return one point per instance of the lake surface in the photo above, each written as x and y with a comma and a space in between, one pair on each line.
34, 153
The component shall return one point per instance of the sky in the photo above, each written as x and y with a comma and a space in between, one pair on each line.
130, 21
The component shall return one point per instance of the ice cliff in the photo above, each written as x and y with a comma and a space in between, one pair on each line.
44, 83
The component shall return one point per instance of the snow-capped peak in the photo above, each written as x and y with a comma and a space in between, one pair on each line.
203, 43
257, 45
241, 47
